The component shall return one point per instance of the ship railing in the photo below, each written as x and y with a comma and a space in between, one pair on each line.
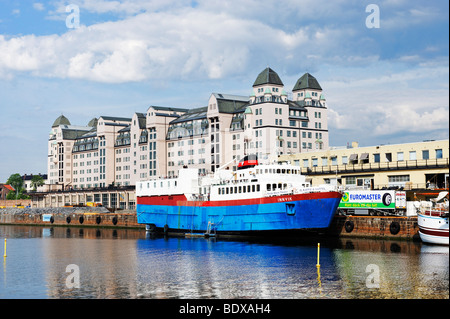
438, 210
278, 193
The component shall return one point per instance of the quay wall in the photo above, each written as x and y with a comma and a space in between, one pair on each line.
382, 227
69, 216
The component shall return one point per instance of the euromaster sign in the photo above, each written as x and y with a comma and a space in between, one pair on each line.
368, 199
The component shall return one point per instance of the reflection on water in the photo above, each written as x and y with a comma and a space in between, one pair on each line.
122, 263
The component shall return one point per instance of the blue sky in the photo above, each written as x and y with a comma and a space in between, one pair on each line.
383, 85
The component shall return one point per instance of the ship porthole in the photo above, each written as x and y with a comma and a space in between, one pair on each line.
68, 219
114, 220
394, 228
349, 225
98, 220
81, 220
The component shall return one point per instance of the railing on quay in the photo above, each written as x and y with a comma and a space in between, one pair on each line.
371, 167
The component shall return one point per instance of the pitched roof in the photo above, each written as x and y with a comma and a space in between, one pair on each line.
228, 103
93, 122
9, 187
142, 120
61, 120
268, 76
115, 118
307, 81
73, 134
165, 108
192, 114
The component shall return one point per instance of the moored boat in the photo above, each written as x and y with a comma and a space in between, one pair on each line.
256, 198
432, 219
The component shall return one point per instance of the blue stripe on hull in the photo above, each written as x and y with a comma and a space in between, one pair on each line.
305, 214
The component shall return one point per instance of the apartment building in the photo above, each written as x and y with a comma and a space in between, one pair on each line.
113, 151
420, 165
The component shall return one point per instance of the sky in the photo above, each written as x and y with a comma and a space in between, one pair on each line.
383, 65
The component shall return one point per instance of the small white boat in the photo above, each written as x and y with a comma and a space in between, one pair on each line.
432, 218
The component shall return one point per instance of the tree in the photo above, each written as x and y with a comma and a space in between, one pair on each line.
16, 181
36, 181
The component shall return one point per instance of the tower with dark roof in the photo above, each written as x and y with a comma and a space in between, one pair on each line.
61, 120
268, 87
308, 91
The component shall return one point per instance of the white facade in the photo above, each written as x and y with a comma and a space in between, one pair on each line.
121, 151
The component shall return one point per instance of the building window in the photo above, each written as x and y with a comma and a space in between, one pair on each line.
398, 180
376, 158
400, 156
351, 180
438, 153
412, 155
344, 160
334, 160
305, 163
425, 154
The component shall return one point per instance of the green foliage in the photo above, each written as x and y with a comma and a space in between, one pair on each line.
16, 181
36, 181
21, 195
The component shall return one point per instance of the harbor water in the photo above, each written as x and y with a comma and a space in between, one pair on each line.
89, 263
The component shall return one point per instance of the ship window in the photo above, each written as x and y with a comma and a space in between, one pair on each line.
231, 190
235, 189
244, 189
257, 188
279, 185
284, 186
268, 187
220, 191
154, 184
274, 186
240, 189
248, 189
253, 187
228, 191
175, 183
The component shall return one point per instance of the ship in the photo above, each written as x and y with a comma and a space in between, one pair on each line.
432, 219
255, 199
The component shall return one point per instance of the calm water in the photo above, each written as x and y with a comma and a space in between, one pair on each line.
129, 264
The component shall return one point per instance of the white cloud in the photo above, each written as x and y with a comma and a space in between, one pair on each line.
189, 43
390, 101
38, 6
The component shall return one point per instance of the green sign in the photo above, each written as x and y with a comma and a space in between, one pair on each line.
368, 199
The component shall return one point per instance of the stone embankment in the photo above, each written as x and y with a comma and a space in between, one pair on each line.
69, 216
341, 226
